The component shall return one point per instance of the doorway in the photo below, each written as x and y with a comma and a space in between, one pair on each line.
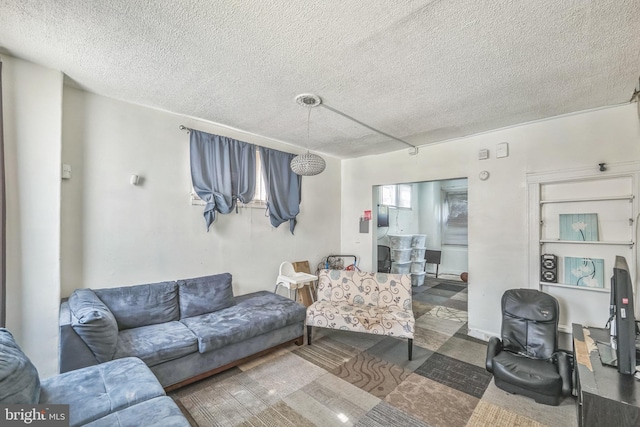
435, 209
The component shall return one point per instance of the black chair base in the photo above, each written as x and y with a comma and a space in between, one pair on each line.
538, 397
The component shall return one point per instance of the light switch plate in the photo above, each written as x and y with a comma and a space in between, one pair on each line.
502, 150
66, 171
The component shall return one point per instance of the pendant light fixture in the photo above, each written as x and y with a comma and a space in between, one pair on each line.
308, 164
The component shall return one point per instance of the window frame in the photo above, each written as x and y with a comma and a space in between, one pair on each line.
396, 190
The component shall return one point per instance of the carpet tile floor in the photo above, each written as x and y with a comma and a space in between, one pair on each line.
350, 379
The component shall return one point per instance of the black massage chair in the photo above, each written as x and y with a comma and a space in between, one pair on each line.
527, 360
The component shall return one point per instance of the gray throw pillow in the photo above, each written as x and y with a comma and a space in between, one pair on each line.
19, 382
94, 323
142, 305
205, 294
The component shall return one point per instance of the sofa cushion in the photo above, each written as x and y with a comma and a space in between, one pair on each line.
159, 411
363, 288
252, 315
142, 305
205, 294
96, 391
155, 344
531, 374
92, 320
353, 287
361, 318
19, 382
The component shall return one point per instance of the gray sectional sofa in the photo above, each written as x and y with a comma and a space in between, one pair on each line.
122, 392
183, 330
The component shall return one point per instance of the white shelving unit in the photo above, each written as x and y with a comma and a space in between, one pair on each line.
612, 195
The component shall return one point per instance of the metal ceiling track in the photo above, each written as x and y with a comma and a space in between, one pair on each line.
312, 100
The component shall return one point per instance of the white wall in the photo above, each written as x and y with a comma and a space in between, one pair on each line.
117, 234
498, 229
32, 102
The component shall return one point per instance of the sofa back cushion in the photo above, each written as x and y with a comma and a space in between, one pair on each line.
352, 287
92, 320
142, 305
359, 287
395, 290
19, 382
205, 294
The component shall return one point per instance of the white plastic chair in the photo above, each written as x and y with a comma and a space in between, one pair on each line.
293, 280
286, 279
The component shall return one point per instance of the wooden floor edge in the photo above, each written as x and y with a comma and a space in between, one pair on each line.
298, 341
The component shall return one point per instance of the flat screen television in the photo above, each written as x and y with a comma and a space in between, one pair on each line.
383, 216
623, 327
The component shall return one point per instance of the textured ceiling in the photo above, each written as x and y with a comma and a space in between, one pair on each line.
423, 71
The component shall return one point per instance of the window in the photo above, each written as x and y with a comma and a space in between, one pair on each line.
398, 196
260, 197
454, 217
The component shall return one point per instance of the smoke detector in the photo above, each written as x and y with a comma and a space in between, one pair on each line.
308, 100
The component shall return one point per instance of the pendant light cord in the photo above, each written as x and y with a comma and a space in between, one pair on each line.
308, 127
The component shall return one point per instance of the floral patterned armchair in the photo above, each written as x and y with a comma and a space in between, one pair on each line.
373, 303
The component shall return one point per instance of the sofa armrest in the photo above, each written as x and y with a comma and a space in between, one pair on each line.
73, 352
565, 371
493, 348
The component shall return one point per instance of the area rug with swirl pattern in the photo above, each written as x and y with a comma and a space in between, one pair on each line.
350, 379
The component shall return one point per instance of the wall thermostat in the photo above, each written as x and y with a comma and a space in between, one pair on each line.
484, 175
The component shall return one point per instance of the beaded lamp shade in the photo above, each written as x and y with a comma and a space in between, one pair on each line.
308, 164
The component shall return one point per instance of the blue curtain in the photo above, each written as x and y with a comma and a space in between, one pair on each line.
283, 187
223, 171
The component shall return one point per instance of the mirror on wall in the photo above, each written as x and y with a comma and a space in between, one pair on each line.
435, 209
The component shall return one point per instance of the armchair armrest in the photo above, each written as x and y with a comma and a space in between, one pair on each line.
493, 348
564, 369
73, 352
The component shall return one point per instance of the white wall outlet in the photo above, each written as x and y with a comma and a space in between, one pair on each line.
483, 154
502, 150
66, 171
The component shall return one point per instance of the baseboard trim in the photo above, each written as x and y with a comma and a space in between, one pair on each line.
480, 334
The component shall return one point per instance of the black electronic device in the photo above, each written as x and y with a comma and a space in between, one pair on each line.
383, 216
622, 321
549, 268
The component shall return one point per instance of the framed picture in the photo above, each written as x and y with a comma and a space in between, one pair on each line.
579, 227
587, 272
